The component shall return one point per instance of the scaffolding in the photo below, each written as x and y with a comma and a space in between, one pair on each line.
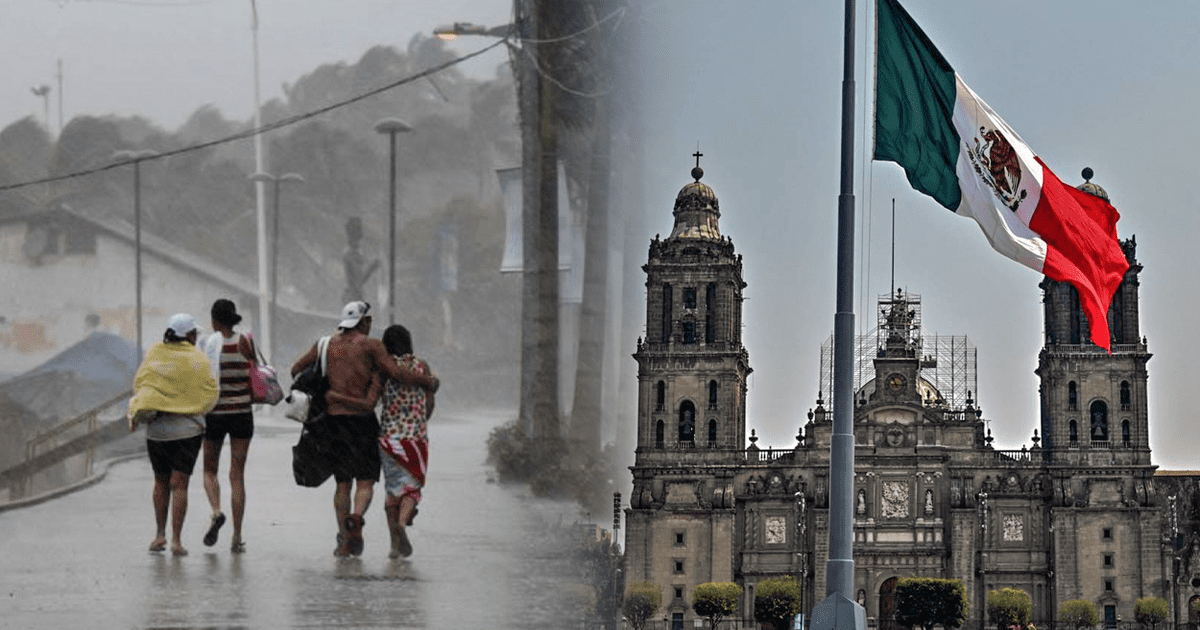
947, 362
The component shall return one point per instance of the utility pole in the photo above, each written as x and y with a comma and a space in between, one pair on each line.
264, 297
60, 97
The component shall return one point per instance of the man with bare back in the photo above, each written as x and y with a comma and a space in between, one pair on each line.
354, 360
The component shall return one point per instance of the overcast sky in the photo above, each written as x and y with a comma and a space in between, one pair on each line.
756, 85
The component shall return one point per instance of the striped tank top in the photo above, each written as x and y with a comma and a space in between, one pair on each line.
235, 379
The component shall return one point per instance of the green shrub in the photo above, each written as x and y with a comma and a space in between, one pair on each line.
1150, 610
1078, 614
716, 600
641, 603
776, 601
929, 602
1009, 607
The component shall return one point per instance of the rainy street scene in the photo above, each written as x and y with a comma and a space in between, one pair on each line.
598, 315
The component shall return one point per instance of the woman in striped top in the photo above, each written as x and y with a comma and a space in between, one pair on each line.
234, 353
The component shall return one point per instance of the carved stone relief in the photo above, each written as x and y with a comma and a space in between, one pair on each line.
776, 530
1014, 528
895, 499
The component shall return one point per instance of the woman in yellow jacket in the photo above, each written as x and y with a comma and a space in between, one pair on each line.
173, 389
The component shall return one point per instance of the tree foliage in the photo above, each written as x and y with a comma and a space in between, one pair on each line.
642, 601
926, 602
1078, 613
1150, 610
1009, 607
776, 601
716, 600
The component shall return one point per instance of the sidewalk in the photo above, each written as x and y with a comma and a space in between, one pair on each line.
80, 560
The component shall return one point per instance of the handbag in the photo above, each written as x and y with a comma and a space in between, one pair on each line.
306, 400
264, 384
311, 457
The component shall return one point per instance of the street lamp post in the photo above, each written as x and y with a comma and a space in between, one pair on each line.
136, 157
392, 126
278, 182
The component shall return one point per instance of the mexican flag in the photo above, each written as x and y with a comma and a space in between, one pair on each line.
954, 148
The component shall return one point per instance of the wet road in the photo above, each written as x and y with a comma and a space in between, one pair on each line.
486, 555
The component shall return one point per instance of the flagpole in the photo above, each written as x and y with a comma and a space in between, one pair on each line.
839, 611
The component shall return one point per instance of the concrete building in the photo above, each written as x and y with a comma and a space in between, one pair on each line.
1083, 514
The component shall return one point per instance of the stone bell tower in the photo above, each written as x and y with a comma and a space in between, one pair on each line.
691, 425
1092, 400
692, 367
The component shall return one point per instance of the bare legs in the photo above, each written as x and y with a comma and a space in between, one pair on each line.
170, 492
399, 510
239, 449
364, 490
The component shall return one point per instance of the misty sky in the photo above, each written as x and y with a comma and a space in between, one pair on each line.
757, 85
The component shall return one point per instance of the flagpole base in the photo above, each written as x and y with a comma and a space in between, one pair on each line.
838, 613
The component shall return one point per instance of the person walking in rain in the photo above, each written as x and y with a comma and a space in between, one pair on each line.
232, 355
355, 361
404, 443
172, 390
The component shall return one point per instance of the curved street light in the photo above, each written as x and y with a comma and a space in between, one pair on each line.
136, 157
391, 127
451, 32
261, 176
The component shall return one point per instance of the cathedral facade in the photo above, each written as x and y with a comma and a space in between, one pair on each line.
1083, 514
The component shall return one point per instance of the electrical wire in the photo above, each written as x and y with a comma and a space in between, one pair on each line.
250, 133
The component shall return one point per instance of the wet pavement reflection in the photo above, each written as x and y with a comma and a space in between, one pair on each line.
485, 553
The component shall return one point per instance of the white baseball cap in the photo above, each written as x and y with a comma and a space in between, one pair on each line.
181, 324
352, 313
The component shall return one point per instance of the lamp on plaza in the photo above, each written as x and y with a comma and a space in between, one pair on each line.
278, 182
391, 127
44, 92
136, 157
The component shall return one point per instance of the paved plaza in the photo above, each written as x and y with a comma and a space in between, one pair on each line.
482, 556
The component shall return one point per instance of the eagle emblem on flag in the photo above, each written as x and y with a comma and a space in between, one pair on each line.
996, 163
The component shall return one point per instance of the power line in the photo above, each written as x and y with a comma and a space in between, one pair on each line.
249, 133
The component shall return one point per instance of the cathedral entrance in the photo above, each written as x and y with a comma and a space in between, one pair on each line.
887, 605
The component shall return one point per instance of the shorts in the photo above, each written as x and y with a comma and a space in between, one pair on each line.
396, 479
167, 456
239, 426
354, 443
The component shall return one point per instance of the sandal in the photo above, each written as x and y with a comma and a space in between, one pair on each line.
210, 537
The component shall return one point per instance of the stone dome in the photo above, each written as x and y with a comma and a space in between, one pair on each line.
696, 210
1090, 187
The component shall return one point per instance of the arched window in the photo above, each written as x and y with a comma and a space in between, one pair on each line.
1126, 437
687, 422
712, 432
710, 317
666, 313
689, 331
1126, 397
1099, 411
712, 394
1117, 317
1074, 429
1076, 323
1072, 396
660, 397
659, 438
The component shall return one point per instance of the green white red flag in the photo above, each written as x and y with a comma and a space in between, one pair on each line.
954, 148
